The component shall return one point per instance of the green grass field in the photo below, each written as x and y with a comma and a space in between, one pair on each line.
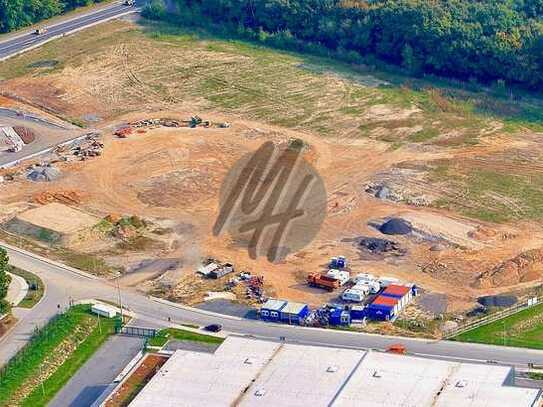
171, 333
524, 330
35, 288
76, 333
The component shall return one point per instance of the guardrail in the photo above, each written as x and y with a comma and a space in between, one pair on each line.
495, 316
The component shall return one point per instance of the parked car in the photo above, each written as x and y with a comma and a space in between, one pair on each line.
213, 328
40, 31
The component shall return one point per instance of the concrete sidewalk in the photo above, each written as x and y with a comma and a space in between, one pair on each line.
17, 290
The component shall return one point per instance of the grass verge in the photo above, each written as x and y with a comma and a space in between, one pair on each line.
36, 287
524, 330
53, 355
180, 334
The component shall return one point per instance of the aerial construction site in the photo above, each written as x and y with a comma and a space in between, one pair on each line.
115, 158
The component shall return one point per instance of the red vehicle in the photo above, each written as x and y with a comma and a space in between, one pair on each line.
397, 348
322, 281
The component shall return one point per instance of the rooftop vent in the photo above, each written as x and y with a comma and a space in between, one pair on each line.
332, 369
260, 392
248, 361
376, 374
461, 383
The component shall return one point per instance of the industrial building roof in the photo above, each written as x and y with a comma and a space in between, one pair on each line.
395, 289
274, 305
382, 300
302, 376
293, 308
251, 372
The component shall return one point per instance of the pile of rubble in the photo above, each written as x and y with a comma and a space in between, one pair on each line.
254, 286
42, 173
90, 146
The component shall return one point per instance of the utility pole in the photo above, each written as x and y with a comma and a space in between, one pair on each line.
503, 323
120, 301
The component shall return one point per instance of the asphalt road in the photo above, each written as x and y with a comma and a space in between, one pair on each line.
63, 284
30, 40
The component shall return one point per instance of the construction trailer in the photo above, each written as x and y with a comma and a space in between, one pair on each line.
342, 276
355, 294
103, 310
403, 293
340, 317
358, 312
294, 312
271, 310
386, 281
384, 308
208, 269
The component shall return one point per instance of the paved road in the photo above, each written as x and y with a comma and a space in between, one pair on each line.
63, 285
29, 40
97, 374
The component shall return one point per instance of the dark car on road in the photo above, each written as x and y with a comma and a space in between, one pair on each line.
213, 328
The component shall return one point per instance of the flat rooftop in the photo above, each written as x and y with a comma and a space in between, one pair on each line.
249, 372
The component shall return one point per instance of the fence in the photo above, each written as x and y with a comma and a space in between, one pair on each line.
137, 331
492, 317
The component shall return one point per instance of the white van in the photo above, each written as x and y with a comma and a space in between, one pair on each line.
364, 277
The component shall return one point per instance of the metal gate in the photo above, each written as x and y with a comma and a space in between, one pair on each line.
137, 331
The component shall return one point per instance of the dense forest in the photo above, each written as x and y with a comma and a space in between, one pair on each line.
485, 40
15, 14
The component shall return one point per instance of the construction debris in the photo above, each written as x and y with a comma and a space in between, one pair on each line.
195, 121
89, 146
43, 173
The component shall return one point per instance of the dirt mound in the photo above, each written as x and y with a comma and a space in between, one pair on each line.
65, 197
396, 226
524, 267
376, 245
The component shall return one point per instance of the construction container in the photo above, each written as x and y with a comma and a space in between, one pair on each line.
403, 293
358, 312
271, 310
294, 312
103, 310
383, 308
386, 281
340, 317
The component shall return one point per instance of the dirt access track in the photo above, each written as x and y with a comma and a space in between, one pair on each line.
353, 130
50, 131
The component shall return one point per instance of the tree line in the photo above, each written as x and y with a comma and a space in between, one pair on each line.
484, 40
15, 14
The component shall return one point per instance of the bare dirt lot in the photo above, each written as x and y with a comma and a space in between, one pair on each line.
356, 133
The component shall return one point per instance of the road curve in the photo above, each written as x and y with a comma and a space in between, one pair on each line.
29, 40
64, 284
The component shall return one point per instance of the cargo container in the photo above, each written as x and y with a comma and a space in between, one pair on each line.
322, 281
294, 312
271, 310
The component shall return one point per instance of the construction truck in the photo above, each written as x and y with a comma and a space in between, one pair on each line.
323, 281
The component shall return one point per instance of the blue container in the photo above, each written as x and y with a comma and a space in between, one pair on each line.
358, 312
334, 263
340, 317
